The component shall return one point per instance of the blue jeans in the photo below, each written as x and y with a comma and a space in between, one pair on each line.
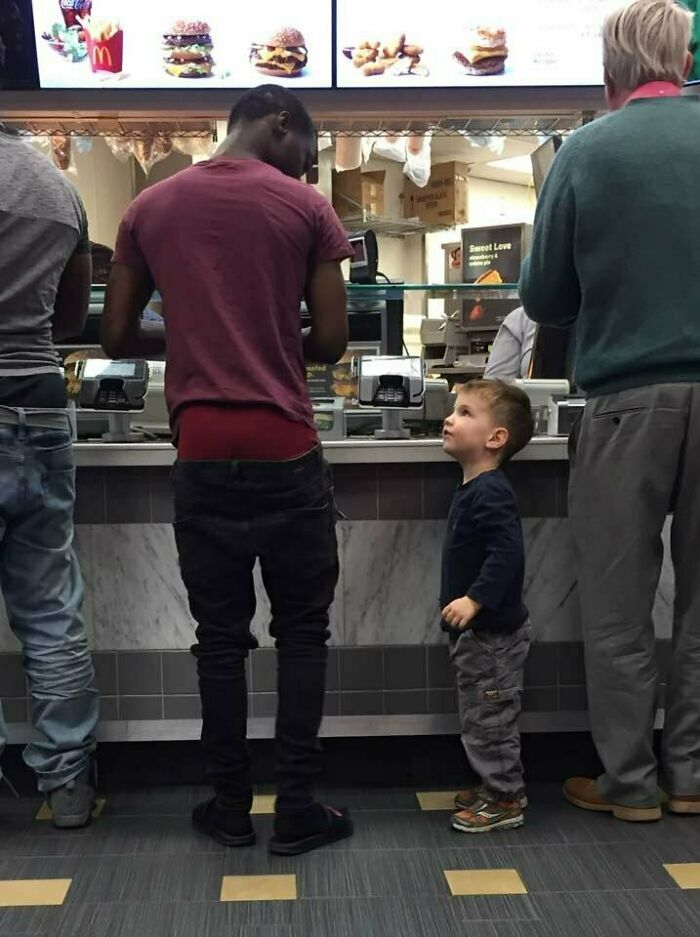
43, 591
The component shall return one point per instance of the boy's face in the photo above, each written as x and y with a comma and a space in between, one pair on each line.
470, 432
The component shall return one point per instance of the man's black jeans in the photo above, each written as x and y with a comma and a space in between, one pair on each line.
227, 516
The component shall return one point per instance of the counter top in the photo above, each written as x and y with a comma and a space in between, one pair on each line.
341, 452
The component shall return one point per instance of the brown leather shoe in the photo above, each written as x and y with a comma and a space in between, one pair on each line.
583, 793
684, 806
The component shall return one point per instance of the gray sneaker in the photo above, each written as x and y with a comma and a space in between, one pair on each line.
73, 803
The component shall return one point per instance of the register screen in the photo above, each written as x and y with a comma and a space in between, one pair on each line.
405, 367
95, 368
482, 43
183, 46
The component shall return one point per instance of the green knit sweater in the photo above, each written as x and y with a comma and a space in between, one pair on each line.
616, 246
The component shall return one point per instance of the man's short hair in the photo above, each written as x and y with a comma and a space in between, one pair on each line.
647, 40
264, 100
510, 406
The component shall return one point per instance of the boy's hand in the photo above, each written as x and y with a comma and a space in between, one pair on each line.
461, 612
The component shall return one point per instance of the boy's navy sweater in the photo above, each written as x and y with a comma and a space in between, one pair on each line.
484, 555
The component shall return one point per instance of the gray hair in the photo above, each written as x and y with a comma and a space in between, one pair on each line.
646, 40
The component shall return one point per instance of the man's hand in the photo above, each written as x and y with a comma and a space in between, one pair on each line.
460, 613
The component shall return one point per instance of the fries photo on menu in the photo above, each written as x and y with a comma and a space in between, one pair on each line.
105, 43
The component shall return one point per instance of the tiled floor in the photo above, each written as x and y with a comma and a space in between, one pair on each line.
141, 871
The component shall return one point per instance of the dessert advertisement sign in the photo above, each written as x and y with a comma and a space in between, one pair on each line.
483, 43
183, 43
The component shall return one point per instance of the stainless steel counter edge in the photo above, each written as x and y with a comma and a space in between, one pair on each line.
342, 452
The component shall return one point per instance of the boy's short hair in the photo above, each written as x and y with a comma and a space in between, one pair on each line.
511, 408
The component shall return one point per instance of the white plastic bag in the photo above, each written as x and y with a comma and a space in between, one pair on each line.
348, 153
391, 147
418, 159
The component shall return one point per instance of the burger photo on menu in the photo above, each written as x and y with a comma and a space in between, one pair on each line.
283, 54
484, 51
187, 48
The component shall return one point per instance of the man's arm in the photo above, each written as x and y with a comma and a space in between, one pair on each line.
73, 297
326, 299
549, 284
122, 333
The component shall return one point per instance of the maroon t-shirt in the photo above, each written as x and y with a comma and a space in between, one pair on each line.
230, 245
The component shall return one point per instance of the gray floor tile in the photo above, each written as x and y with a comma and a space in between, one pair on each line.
609, 914
357, 874
383, 917
93, 880
495, 908
66, 921
208, 919
118, 836
156, 801
569, 868
169, 878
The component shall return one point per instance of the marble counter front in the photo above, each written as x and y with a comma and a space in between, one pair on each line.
389, 671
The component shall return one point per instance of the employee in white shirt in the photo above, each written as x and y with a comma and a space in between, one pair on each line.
512, 349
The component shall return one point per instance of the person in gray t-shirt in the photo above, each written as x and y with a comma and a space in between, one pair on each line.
45, 273
512, 350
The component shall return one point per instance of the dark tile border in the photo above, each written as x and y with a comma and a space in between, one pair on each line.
361, 681
387, 491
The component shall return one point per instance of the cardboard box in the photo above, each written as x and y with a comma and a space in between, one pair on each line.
443, 201
358, 195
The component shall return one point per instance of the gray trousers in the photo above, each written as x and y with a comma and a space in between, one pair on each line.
637, 458
489, 670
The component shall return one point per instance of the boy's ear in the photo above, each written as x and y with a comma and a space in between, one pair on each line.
498, 438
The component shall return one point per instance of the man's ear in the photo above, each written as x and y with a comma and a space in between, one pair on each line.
282, 123
688, 66
498, 438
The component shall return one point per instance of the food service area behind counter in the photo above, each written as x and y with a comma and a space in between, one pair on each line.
440, 292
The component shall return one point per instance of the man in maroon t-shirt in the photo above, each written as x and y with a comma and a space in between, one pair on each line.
234, 245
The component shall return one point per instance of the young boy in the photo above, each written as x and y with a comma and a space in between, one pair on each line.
482, 608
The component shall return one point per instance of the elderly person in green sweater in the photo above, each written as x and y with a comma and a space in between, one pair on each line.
616, 250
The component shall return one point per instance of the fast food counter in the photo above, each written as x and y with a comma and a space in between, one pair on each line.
389, 671
340, 452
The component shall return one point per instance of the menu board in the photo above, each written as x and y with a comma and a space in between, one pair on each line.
183, 43
485, 43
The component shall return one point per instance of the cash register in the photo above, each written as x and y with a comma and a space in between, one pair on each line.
117, 389
390, 384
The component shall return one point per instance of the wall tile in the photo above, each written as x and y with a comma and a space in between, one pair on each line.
140, 674
404, 668
361, 704
180, 674
140, 708
361, 669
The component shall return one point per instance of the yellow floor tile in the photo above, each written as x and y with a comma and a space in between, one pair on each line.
437, 800
485, 882
685, 874
45, 812
263, 804
259, 888
25, 893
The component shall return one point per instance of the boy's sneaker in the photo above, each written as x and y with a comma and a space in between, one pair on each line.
486, 815
466, 799
72, 803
